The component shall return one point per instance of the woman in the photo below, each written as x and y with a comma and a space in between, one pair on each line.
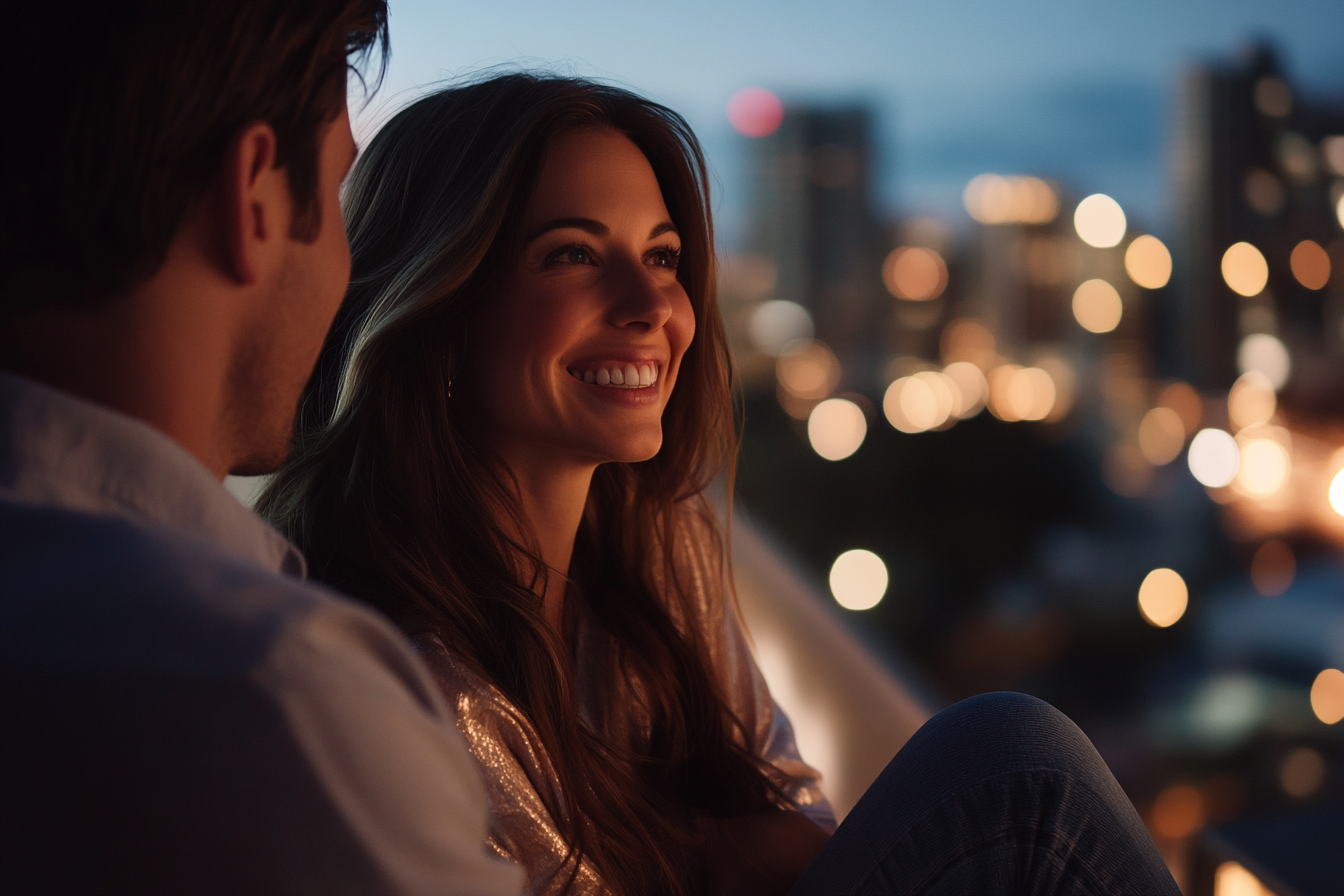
506, 447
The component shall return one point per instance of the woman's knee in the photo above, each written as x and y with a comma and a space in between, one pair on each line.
1008, 728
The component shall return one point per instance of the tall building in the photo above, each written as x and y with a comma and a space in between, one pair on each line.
813, 216
1256, 161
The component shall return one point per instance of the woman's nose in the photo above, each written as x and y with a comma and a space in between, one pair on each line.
639, 300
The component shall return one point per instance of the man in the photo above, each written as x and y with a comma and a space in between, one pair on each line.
180, 712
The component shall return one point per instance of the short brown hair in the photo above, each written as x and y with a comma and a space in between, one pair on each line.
121, 113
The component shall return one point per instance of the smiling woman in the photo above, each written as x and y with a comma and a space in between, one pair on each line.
505, 448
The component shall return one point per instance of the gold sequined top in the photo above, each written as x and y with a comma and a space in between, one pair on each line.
518, 771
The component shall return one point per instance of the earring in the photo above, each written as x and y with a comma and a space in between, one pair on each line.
450, 385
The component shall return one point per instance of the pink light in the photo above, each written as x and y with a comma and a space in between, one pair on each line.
755, 112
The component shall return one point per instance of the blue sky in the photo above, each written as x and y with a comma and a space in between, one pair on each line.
1077, 90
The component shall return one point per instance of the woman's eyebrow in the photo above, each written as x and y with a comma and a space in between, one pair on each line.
665, 227
596, 228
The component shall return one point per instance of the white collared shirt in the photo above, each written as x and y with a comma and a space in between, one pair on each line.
180, 712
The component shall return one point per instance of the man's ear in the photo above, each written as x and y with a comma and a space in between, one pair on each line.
257, 208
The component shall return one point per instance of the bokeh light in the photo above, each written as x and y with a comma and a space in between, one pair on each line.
777, 323
1214, 457
1100, 221
923, 401
1310, 264
914, 273
1178, 811
1232, 879
1245, 270
1273, 97
808, 369
1302, 772
1327, 696
972, 388
1161, 436
1163, 597
1264, 468
1267, 354
1148, 262
1097, 306
994, 199
836, 428
1251, 400
967, 339
1020, 393
1273, 568
1332, 151
755, 112
858, 579
1184, 400
1336, 492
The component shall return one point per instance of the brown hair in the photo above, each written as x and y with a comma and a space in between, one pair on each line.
125, 110
389, 490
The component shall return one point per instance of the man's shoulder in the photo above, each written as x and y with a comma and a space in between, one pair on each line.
94, 590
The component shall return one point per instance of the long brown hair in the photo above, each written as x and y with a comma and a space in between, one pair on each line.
394, 498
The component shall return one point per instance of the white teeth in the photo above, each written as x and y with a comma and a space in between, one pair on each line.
627, 377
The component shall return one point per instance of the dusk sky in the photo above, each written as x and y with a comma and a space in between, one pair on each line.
1079, 91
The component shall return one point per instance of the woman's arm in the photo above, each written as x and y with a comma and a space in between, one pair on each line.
760, 855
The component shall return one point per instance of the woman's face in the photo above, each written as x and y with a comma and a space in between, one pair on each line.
575, 357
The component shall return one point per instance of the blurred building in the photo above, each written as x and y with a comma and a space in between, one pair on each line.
813, 217
1257, 161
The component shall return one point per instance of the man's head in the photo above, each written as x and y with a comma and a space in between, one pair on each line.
134, 122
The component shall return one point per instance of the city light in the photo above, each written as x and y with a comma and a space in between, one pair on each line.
1178, 811
1251, 400
1245, 270
1327, 696
1310, 264
858, 580
1268, 355
1214, 457
1273, 568
972, 388
1163, 597
755, 112
1332, 151
777, 323
1020, 393
966, 339
1184, 400
914, 273
1302, 772
1263, 192
1273, 97
1264, 467
1232, 879
1097, 306
808, 369
836, 428
920, 402
994, 199
1161, 436
1100, 221
1148, 262
1337, 493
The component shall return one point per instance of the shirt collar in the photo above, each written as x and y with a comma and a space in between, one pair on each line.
57, 449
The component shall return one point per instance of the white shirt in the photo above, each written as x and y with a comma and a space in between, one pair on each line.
179, 712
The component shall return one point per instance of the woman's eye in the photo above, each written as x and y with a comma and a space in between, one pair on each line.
581, 255
666, 257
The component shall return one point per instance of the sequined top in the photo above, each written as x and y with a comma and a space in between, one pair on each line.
519, 775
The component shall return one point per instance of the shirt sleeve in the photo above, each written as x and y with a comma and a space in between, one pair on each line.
381, 741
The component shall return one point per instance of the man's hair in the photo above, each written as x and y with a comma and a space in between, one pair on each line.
120, 114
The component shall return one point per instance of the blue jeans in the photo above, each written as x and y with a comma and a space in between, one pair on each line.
1000, 793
